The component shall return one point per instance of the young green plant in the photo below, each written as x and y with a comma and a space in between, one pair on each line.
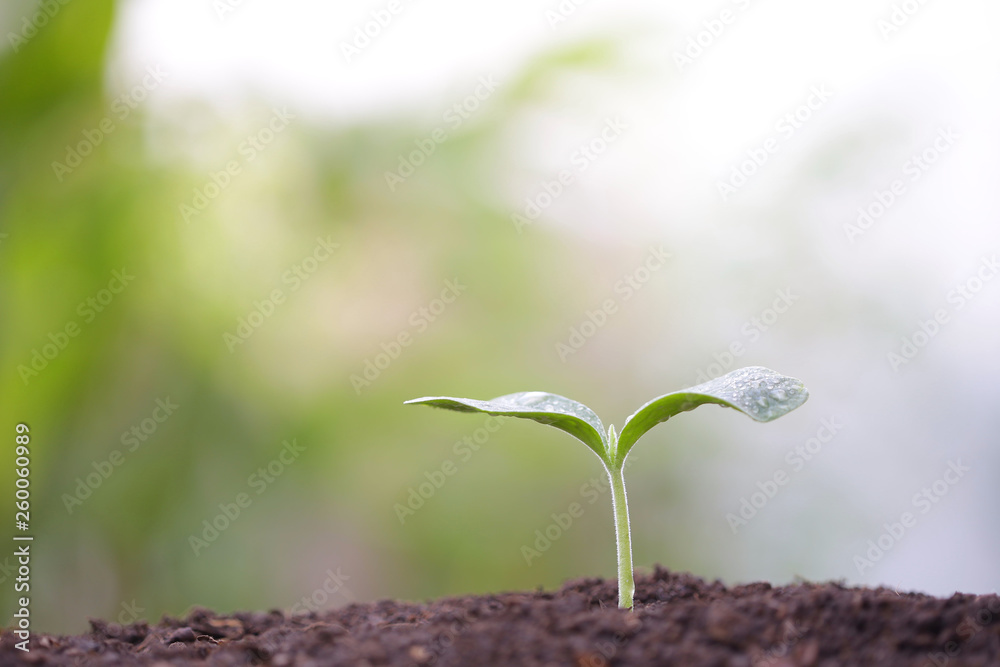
757, 392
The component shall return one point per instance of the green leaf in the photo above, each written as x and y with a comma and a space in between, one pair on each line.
574, 418
757, 392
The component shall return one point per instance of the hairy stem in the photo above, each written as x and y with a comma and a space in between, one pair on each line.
626, 585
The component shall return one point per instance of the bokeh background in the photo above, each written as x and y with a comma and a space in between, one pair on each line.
119, 121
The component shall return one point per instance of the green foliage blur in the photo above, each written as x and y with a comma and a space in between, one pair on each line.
194, 280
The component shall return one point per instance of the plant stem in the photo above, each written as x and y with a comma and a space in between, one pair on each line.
626, 585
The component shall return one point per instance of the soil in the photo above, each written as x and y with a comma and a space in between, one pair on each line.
678, 620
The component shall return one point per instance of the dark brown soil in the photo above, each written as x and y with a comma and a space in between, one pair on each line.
678, 620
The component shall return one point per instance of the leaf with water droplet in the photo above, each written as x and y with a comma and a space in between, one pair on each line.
758, 392
565, 414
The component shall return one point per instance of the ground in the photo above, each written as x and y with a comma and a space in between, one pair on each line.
678, 620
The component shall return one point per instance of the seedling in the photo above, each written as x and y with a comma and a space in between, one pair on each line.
757, 392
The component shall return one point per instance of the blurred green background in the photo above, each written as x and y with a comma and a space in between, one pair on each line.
203, 274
